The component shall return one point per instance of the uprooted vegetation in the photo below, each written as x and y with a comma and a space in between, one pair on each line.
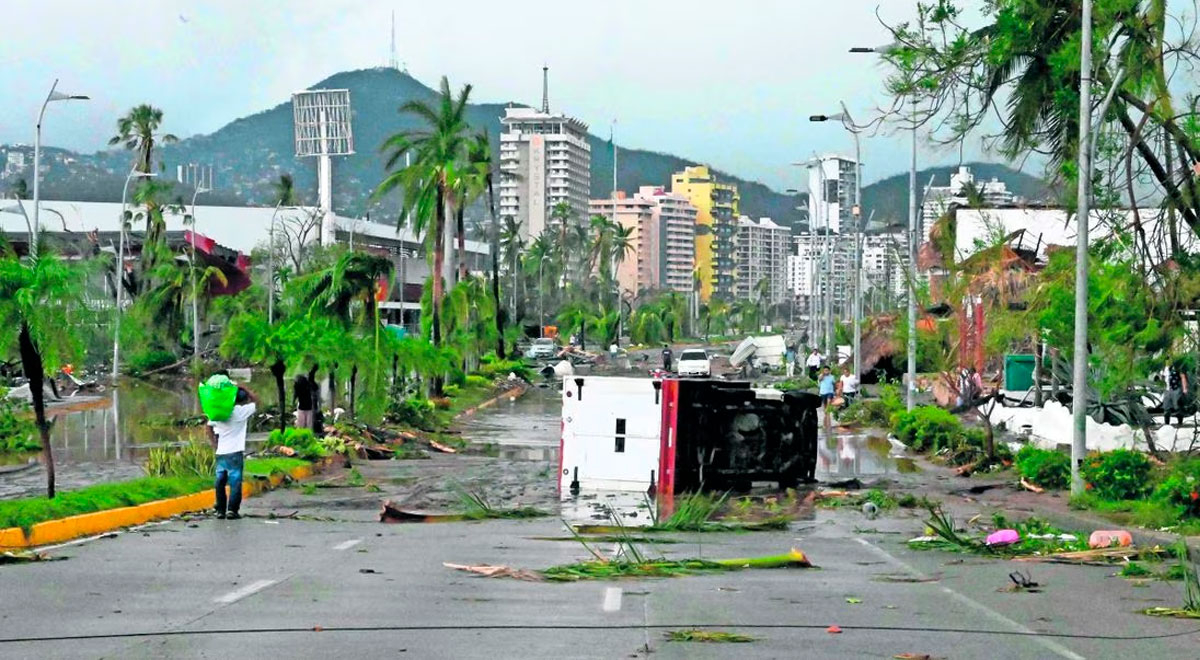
631, 561
707, 636
1186, 570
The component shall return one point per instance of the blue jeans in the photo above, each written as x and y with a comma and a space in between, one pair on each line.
229, 470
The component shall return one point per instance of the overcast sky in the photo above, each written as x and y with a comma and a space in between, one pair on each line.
728, 83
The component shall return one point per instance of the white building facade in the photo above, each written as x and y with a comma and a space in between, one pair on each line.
832, 182
938, 199
545, 160
760, 250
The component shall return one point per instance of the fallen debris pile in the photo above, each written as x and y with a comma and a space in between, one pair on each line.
613, 569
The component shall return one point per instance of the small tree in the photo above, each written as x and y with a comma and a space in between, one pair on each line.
41, 303
252, 339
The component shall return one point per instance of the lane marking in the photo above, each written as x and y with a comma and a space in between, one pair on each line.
612, 599
346, 545
238, 594
1048, 644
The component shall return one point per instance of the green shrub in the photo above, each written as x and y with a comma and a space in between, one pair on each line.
412, 411
492, 368
799, 382
1181, 486
1044, 467
927, 428
451, 390
195, 459
140, 361
302, 441
18, 433
1121, 474
475, 380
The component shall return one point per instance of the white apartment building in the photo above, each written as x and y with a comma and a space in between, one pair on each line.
664, 232
812, 280
939, 198
832, 183
760, 250
545, 159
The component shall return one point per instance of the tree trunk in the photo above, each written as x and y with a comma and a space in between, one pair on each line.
353, 387
333, 387
1037, 373
316, 394
439, 262
496, 270
278, 368
31, 364
461, 228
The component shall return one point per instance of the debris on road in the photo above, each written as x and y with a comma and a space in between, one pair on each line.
1002, 537
1032, 488
26, 556
488, 570
1110, 538
834, 630
707, 637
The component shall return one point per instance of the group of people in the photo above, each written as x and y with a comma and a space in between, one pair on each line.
829, 387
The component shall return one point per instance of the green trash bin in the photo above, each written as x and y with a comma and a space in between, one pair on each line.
1018, 372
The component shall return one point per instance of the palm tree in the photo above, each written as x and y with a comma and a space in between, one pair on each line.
513, 244
482, 159
353, 278
439, 149
138, 132
285, 190
40, 303
561, 214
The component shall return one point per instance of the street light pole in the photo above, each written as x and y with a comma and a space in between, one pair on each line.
910, 399
1080, 356
54, 95
121, 273
195, 303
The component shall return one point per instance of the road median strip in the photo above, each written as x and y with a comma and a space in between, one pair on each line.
58, 530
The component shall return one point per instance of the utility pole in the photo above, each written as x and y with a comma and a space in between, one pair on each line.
1080, 355
910, 400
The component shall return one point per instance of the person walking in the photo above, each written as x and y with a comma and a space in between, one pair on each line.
229, 438
849, 386
789, 361
667, 355
1177, 389
826, 386
303, 390
813, 363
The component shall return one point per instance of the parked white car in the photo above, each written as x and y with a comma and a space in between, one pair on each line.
694, 362
542, 348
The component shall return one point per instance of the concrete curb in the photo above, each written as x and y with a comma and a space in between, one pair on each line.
514, 393
100, 522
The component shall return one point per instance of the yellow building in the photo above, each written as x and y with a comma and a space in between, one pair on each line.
716, 219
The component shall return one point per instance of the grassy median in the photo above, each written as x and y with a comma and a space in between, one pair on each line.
27, 512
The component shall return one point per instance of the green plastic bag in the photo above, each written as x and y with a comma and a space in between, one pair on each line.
217, 396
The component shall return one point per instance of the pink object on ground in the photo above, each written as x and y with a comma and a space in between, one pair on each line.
1003, 537
1110, 538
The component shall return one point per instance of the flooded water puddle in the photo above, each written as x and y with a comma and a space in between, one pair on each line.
846, 455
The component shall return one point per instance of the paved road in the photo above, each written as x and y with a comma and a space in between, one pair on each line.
259, 587
188, 586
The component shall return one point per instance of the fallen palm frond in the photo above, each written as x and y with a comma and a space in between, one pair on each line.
1174, 612
477, 507
775, 523
707, 636
693, 513
606, 569
1038, 541
609, 538
1099, 556
612, 570
25, 556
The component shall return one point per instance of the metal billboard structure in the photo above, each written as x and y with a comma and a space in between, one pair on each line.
321, 118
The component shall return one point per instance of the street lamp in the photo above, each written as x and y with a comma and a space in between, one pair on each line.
195, 303
848, 123
910, 399
54, 95
133, 174
19, 209
1079, 380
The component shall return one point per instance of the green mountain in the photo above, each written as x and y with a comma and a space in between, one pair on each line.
250, 153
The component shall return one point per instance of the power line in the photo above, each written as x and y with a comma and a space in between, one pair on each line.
584, 627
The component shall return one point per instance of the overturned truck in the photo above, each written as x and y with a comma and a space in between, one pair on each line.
674, 436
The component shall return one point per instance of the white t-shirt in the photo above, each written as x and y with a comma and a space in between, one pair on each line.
231, 433
814, 360
849, 383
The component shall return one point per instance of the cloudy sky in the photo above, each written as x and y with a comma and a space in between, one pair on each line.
728, 83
